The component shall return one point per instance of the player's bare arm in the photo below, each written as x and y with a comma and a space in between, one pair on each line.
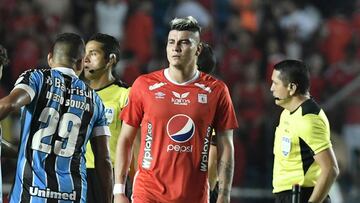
225, 149
14, 101
123, 160
329, 171
103, 166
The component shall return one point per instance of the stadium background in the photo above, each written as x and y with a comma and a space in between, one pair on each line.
248, 37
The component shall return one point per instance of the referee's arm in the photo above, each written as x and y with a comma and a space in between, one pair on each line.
225, 147
329, 171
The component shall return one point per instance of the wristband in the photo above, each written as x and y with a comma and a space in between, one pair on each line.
119, 189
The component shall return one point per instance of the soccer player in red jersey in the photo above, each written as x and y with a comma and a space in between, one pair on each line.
176, 110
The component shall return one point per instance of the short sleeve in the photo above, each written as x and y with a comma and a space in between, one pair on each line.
100, 125
317, 134
225, 118
133, 111
30, 81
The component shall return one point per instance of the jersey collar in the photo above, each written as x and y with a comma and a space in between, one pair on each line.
66, 71
167, 76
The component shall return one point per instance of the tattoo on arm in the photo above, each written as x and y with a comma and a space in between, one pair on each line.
226, 172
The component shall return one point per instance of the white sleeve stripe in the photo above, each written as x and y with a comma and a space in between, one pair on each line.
28, 89
101, 130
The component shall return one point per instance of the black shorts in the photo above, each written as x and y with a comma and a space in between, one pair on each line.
94, 190
305, 193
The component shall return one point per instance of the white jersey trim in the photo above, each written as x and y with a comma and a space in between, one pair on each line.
27, 88
167, 76
101, 130
66, 71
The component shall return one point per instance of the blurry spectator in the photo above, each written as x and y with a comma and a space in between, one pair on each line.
26, 55
341, 73
193, 8
110, 17
318, 82
336, 36
303, 20
250, 98
129, 69
184, 8
54, 8
25, 19
274, 56
139, 32
248, 13
241, 51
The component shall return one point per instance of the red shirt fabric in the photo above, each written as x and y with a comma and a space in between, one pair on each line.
176, 124
139, 32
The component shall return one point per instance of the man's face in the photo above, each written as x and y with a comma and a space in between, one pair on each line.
182, 48
94, 61
279, 90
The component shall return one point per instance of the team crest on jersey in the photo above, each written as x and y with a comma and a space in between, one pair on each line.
285, 145
180, 99
180, 128
202, 98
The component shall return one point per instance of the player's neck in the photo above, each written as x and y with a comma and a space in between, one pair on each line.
296, 101
182, 75
102, 81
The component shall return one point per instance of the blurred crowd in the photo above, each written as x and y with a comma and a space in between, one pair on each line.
248, 37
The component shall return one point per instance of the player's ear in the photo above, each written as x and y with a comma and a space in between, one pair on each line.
112, 60
292, 88
199, 48
50, 58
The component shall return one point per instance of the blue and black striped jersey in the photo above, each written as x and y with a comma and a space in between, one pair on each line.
63, 115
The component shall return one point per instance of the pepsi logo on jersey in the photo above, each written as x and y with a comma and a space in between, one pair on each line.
180, 129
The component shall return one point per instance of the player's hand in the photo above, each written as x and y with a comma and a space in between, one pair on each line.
121, 198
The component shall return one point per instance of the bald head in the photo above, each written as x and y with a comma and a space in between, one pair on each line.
68, 50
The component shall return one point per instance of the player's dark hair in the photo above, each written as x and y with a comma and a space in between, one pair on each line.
69, 48
4, 60
207, 59
185, 24
110, 45
294, 71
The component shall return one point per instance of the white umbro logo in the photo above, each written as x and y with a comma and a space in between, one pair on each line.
159, 95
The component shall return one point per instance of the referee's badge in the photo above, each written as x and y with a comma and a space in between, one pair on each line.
109, 114
285, 145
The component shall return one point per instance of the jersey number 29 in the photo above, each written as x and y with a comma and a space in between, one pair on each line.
68, 126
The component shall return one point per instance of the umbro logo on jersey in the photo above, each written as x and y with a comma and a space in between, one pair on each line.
180, 99
160, 95
202, 86
156, 85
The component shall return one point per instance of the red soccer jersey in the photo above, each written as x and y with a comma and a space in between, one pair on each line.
176, 123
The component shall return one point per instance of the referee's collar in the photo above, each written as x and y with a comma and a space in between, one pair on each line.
67, 71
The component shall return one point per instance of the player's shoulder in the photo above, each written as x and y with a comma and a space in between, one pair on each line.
36, 70
121, 84
150, 78
211, 81
310, 107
